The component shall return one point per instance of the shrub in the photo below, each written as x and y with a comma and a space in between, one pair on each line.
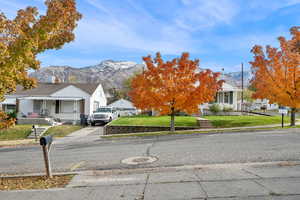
215, 108
227, 109
12, 115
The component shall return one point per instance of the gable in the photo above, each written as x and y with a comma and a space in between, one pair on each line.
122, 103
70, 91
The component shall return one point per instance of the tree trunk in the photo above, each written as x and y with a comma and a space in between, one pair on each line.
293, 116
172, 125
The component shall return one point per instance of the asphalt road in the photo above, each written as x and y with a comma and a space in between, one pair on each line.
91, 152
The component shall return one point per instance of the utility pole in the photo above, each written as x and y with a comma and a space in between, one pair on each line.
242, 106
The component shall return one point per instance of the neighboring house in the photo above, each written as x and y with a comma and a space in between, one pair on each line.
259, 104
124, 107
64, 101
228, 96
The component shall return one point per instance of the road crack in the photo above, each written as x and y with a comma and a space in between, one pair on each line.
142, 196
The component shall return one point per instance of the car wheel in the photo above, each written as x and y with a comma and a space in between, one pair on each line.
110, 119
93, 123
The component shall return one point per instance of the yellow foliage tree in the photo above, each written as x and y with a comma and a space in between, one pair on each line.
27, 35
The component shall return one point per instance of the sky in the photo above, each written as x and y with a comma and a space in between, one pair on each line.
220, 33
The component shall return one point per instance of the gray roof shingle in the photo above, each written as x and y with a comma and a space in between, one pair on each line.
46, 89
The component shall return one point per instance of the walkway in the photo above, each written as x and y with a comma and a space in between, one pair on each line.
83, 135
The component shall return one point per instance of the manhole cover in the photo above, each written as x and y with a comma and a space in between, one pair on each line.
139, 160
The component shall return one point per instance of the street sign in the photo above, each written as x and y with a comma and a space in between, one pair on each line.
283, 111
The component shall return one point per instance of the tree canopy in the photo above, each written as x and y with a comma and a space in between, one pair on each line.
277, 72
27, 35
173, 86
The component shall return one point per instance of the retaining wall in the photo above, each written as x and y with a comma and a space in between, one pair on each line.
112, 129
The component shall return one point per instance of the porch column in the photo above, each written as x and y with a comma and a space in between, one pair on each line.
75, 110
44, 106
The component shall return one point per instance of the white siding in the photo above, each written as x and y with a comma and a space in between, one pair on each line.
98, 96
26, 106
72, 91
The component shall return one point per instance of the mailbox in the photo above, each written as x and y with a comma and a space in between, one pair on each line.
46, 140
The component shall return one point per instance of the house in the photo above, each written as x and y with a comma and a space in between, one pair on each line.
228, 97
124, 107
8, 105
63, 101
263, 104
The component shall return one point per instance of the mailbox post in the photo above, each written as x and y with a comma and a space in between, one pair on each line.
34, 129
46, 142
282, 111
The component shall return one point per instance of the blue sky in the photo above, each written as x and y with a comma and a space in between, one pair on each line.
218, 32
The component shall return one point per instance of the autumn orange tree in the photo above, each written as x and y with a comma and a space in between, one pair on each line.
27, 35
277, 72
173, 86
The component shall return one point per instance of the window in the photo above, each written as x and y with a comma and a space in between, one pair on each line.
226, 97
67, 106
231, 97
37, 106
9, 108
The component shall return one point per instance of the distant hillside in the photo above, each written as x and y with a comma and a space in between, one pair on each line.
237, 77
111, 74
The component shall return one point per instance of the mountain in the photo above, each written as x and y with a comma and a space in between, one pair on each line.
111, 74
237, 77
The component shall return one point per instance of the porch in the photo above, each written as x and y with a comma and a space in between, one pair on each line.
65, 109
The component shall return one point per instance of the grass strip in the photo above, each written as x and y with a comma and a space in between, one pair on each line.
16, 132
62, 131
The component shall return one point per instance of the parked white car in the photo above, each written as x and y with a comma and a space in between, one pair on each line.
103, 115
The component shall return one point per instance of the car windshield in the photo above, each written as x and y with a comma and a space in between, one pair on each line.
104, 110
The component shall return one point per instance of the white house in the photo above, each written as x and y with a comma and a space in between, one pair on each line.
229, 96
64, 101
124, 107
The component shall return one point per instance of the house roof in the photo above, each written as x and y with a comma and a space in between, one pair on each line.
46, 89
122, 103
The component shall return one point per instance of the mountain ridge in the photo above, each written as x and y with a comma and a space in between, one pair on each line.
110, 73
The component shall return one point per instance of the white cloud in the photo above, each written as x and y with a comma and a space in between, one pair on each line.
201, 14
135, 30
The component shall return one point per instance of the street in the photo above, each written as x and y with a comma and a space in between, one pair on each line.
93, 153
251, 165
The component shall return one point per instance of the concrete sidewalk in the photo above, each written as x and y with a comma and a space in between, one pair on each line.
226, 181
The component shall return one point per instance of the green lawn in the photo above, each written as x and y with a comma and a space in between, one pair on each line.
15, 133
240, 121
62, 131
155, 121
